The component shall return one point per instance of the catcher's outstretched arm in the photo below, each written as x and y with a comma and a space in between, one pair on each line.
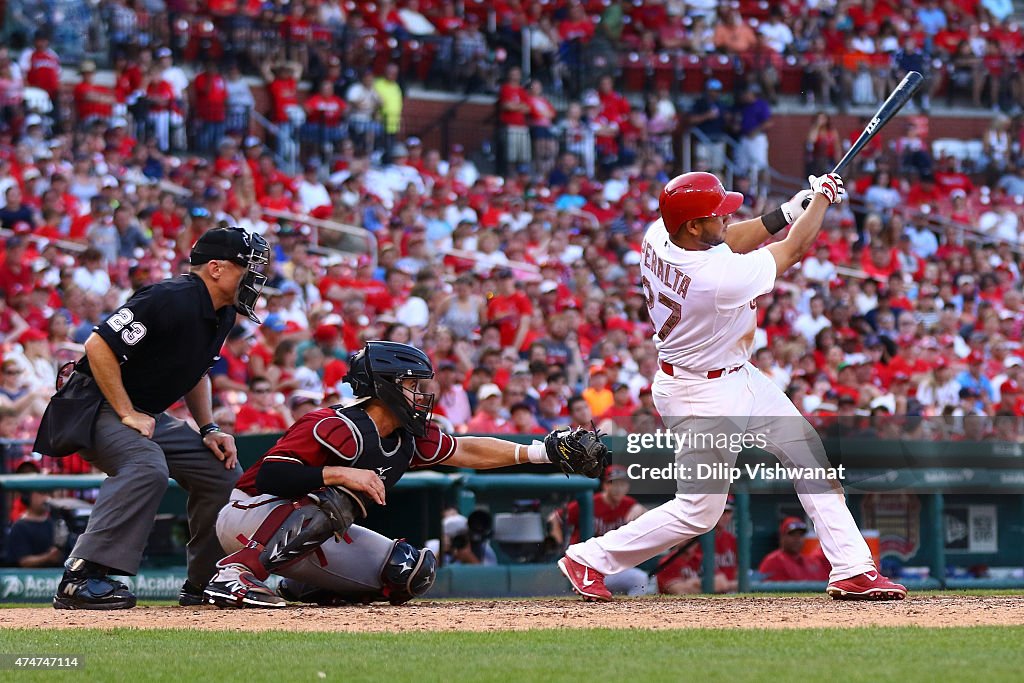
486, 452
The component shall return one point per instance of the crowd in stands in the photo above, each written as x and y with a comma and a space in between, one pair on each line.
523, 288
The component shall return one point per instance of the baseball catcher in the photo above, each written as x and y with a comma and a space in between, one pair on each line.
295, 512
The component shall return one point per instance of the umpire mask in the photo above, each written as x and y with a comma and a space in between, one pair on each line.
246, 249
378, 371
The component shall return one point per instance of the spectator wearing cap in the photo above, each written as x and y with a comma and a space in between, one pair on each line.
488, 418
302, 402
598, 395
617, 417
35, 539
613, 508
209, 94
679, 571
551, 410
788, 563
271, 333
510, 309
260, 414
37, 359
92, 101
974, 379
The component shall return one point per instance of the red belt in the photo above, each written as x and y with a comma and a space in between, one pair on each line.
712, 374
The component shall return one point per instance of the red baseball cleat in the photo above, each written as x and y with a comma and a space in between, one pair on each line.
586, 581
866, 586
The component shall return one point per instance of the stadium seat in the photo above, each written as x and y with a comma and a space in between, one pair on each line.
693, 74
634, 72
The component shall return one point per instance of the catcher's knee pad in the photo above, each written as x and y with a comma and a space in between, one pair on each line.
294, 530
407, 573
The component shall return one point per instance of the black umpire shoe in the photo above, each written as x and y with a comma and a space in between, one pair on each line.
85, 585
190, 595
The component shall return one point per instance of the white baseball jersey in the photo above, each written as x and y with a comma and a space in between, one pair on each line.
702, 302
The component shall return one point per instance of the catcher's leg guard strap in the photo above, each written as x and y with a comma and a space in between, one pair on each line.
288, 533
407, 573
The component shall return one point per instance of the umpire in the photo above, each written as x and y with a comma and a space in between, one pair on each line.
151, 352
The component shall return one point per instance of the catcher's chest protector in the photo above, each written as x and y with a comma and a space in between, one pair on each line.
389, 458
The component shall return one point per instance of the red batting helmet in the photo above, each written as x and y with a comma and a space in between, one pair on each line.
695, 195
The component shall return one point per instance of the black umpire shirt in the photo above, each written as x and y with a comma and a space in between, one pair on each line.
167, 336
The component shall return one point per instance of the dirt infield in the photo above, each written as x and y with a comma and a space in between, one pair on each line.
499, 615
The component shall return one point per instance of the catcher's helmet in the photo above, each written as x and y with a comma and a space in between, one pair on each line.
695, 195
378, 370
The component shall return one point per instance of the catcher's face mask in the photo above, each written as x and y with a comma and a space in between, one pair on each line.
413, 406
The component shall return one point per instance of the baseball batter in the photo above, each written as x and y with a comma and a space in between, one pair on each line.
701, 279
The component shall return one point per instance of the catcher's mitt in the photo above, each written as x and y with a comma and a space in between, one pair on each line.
577, 451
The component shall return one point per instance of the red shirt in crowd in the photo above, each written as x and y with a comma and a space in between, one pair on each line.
160, 94
284, 93
92, 100
506, 311
327, 111
606, 517
252, 421
780, 566
211, 91
688, 565
515, 94
44, 71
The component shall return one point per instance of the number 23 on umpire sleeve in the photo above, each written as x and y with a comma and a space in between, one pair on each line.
675, 308
131, 332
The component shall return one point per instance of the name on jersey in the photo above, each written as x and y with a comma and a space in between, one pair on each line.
673, 278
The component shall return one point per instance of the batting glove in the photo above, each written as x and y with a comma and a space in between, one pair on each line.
795, 207
830, 185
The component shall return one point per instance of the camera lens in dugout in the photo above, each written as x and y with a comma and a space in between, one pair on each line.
242, 248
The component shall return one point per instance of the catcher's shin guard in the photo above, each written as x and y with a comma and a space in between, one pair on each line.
290, 532
408, 573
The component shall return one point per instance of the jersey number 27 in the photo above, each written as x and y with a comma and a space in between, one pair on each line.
675, 308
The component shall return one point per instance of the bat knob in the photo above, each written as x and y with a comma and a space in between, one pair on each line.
806, 202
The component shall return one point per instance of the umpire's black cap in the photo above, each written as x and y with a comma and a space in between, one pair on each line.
221, 244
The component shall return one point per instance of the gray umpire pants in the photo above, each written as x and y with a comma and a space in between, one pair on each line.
137, 470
